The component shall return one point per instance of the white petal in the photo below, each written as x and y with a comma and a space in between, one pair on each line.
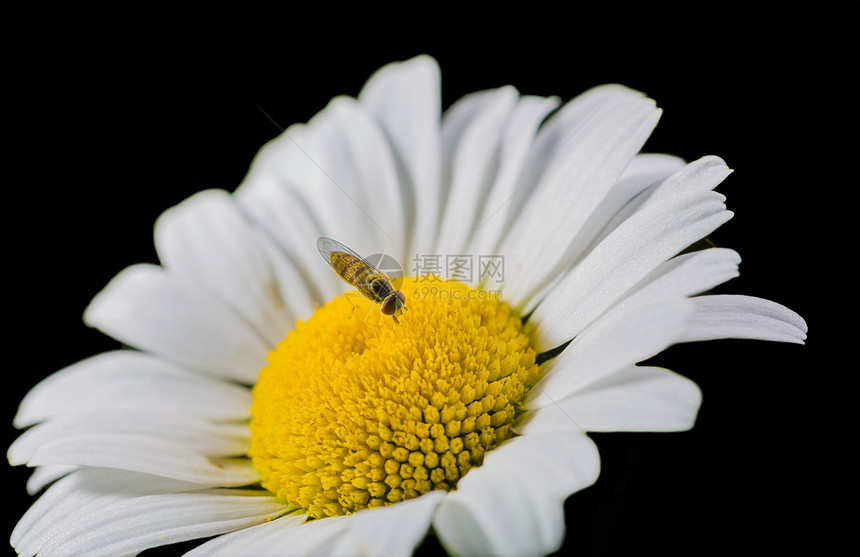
148, 455
457, 120
236, 543
560, 463
728, 316
623, 199
691, 273
515, 144
292, 282
288, 534
224, 439
577, 178
634, 330
555, 134
700, 175
131, 525
43, 475
392, 530
359, 199
334, 177
272, 195
78, 495
405, 99
472, 165
208, 243
633, 399
513, 503
625, 257
129, 380
643, 172
146, 307
703, 174
489, 518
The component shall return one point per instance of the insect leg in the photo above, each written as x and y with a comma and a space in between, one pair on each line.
369, 309
348, 295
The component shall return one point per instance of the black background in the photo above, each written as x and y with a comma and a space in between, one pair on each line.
108, 129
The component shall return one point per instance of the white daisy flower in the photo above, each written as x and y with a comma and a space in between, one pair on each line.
263, 408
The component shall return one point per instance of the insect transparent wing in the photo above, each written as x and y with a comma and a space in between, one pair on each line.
328, 248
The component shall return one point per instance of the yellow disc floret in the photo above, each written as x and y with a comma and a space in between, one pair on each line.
356, 411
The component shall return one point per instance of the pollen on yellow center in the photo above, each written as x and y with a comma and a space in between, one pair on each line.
356, 411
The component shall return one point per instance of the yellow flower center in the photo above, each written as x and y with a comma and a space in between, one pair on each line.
356, 411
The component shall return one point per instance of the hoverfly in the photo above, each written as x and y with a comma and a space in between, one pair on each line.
363, 275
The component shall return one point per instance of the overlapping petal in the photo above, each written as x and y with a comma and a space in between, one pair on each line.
47, 474
498, 509
127, 380
394, 530
625, 257
631, 399
289, 533
593, 148
74, 498
272, 196
405, 99
221, 439
208, 243
732, 316
149, 308
146, 454
631, 332
625, 197
355, 185
160, 519
470, 136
